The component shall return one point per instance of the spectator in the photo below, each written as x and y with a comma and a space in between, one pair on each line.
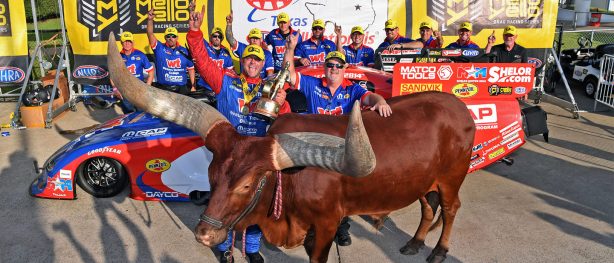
254, 38
313, 51
277, 39
218, 53
355, 53
464, 37
136, 62
393, 37
426, 36
509, 51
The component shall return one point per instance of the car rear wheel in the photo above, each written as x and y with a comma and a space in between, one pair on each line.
102, 177
590, 87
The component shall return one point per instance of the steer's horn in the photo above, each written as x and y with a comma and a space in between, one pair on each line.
352, 156
183, 110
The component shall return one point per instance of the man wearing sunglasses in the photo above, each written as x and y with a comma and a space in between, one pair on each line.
393, 37
254, 38
313, 51
277, 39
464, 37
173, 65
217, 53
356, 53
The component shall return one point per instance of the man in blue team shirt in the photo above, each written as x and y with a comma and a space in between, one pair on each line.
218, 53
393, 37
426, 38
136, 62
313, 51
356, 53
333, 95
277, 39
464, 37
171, 59
254, 38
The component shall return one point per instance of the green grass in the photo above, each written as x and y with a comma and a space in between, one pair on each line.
570, 39
49, 24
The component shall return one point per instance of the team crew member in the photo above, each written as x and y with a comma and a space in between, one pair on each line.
277, 39
218, 53
356, 53
255, 38
464, 37
136, 61
236, 97
508, 51
313, 51
393, 37
426, 36
173, 65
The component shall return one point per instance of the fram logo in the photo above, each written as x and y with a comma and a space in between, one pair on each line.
484, 116
90, 72
336, 111
11, 75
317, 58
175, 63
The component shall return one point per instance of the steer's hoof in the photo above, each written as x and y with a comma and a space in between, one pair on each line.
412, 247
437, 255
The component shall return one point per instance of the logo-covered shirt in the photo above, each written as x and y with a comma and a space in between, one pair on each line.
321, 101
429, 43
398, 40
268, 58
363, 56
136, 62
171, 64
469, 44
230, 100
222, 59
278, 42
316, 53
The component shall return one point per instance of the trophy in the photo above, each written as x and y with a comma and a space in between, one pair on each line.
266, 106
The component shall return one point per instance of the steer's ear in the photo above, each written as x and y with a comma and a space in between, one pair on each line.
353, 156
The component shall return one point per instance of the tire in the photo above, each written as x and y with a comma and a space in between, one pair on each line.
200, 197
590, 87
102, 177
551, 83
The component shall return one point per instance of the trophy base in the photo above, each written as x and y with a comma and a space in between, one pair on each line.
267, 109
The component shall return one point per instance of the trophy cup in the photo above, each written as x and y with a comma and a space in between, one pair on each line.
266, 106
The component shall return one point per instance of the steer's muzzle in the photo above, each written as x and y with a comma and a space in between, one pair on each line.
209, 236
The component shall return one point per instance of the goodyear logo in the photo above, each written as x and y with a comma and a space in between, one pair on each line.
464, 90
11, 75
409, 88
90, 72
158, 165
496, 153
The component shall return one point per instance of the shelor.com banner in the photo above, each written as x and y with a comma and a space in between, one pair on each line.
13, 42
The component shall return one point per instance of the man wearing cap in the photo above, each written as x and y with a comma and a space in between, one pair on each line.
173, 65
254, 38
136, 62
313, 51
393, 37
355, 53
277, 39
426, 36
508, 51
464, 37
217, 53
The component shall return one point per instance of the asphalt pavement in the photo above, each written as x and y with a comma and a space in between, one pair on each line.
555, 204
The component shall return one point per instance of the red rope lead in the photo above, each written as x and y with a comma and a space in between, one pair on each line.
278, 200
244, 243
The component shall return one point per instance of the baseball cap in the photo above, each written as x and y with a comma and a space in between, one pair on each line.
255, 33
217, 30
466, 25
254, 50
283, 17
510, 30
171, 31
426, 24
390, 24
336, 54
357, 29
317, 23
126, 36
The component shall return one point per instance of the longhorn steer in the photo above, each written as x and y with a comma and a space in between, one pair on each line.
424, 146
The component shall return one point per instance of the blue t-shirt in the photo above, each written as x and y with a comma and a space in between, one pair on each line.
278, 42
363, 56
136, 62
316, 53
221, 58
321, 101
268, 58
171, 64
398, 40
469, 44
230, 100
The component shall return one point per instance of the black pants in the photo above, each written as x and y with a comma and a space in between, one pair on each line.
175, 88
344, 227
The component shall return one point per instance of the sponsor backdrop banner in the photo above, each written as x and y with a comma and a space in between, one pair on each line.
90, 21
13, 42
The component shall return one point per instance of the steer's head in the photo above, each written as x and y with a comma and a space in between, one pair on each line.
242, 166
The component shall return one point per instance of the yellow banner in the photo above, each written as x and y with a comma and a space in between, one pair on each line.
13, 29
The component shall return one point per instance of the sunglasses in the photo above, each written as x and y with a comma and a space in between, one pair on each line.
389, 29
216, 36
170, 36
317, 28
333, 65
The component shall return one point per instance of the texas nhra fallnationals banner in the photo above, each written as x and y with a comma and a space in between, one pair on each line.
13, 42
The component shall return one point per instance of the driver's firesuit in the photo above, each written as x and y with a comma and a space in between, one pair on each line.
231, 98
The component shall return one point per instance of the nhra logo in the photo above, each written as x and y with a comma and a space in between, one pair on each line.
464, 90
90, 72
470, 53
11, 75
158, 165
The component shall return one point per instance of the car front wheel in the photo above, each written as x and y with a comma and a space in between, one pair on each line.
102, 177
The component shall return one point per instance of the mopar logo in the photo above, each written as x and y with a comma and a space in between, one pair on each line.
470, 53
90, 72
11, 75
